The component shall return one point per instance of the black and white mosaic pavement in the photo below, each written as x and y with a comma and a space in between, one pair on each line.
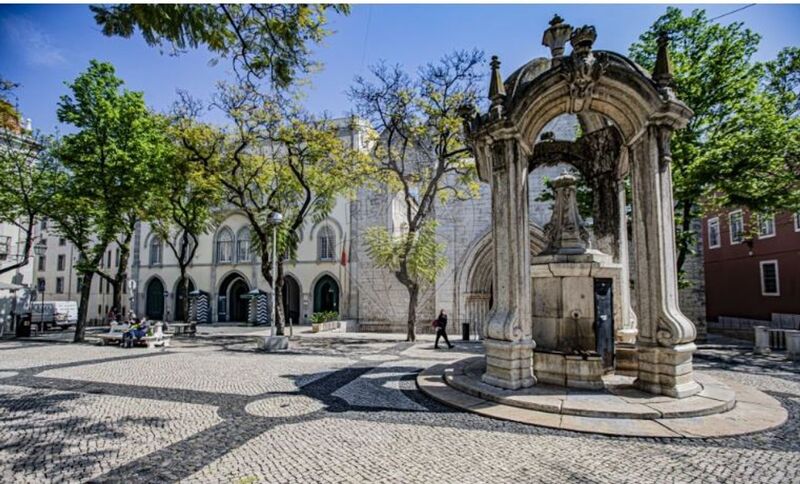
333, 409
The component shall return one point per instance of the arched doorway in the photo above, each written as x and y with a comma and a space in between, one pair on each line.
179, 299
326, 295
154, 306
231, 306
291, 299
475, 278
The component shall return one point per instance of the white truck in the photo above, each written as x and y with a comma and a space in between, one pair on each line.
56, 313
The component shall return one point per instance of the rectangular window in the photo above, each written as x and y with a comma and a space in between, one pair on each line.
736, 224
5, 246
43, 224
62, 262
100, 286
40, 284
770, 285
99, 310
109, 259
108, 287
62, 241
797, 221
224, 250
766, 226
116, 257
713, 233
59, 285
41, 263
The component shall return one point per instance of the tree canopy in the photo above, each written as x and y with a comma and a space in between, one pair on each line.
741, 146
263, 41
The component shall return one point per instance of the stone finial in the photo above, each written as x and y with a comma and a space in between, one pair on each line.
468, 114
556, 36
565, 232
582, 40
662, 72
497, 89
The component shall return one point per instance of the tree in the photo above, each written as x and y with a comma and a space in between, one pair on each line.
115, 158
420, 153
267, 162
184, 204
27, 181
263, 41
740, 148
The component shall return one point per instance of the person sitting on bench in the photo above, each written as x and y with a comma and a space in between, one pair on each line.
138, 330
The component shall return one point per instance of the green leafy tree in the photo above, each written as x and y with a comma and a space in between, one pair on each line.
740, 148
80, 219
184, 206
116, 158
263, 41
268, 162
419, 152
27, 182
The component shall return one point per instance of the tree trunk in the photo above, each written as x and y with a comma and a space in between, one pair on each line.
413, 296
83, 306
122, 273
184, 288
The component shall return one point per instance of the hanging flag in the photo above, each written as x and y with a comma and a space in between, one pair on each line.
343, 258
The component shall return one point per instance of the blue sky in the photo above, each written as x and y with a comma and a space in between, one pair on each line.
42, 46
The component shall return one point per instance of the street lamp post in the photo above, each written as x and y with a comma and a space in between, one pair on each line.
40, 249
275, 219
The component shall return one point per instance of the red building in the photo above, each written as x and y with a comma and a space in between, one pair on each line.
752, 264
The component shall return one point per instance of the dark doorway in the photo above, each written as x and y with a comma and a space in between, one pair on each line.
154, 306
179, 299
231, 307
604, 320
326, 295
291, 299
237, 305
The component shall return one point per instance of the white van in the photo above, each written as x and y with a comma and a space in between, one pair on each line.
58, 313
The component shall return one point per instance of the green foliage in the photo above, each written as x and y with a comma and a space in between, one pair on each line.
28, 180
741, 147
113, 164
419, 252
184, 205
261, 40
324, 317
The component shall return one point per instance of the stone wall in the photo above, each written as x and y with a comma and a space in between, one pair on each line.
693, 296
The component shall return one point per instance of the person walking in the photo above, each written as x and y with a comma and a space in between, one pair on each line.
441, 329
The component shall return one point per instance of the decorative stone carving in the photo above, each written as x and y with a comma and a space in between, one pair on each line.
565, 232
582, 68
556, 36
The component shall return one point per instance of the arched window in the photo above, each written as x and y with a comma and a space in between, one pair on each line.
156, 250
326, 241
243, 253
225, 246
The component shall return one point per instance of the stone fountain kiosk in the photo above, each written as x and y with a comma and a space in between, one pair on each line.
629, 116
564, 349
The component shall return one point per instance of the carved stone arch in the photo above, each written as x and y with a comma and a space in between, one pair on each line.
621, 95
475, 277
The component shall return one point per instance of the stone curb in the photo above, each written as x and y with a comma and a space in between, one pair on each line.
755, 411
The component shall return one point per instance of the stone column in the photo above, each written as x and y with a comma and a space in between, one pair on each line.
508, 344
665, 340
626, 333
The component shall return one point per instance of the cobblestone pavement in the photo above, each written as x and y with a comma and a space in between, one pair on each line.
336, 408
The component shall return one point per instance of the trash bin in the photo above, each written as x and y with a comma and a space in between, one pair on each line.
465, 331
23, 329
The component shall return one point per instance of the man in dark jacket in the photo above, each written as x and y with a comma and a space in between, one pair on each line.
441, 329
